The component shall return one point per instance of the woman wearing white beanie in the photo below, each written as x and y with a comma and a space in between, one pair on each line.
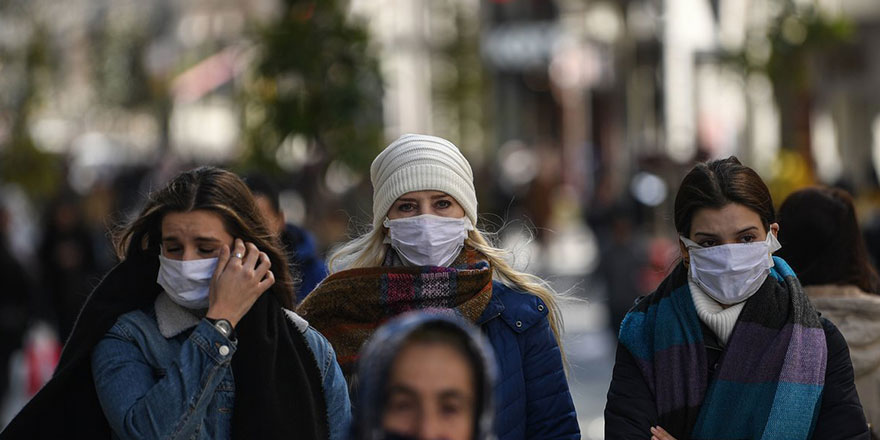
425, 252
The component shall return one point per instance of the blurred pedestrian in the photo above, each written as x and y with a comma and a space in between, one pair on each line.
621, 266
68, 263
822, 241
306, 264
729, 346
425, 376
15, 301
424, 251
179, 340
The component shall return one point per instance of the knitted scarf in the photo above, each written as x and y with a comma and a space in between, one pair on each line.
349, 305
771, 374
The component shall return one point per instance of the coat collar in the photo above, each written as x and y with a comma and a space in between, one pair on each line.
174, 319
520, 310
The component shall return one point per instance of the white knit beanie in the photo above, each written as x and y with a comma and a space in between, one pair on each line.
418, 162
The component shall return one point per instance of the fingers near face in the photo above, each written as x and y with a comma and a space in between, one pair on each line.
263, 265
268, 281
251, 255
238, 250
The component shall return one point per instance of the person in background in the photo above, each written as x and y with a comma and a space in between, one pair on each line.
68, 262
302, 252
822, 241
191, 335
425, 251
728, 346
621, 265
16, 298
426, 375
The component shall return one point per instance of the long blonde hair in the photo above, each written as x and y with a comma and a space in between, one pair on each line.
368, 250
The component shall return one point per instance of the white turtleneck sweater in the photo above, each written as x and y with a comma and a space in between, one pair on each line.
713, 314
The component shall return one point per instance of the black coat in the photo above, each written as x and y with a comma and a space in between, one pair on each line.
630, 410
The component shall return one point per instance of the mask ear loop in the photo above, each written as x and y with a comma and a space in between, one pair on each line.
688, 245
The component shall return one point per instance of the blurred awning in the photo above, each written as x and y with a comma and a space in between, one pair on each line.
209, 74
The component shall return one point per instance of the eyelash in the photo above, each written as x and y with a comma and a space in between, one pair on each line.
439, 204
450, 409
202, 250
744, 239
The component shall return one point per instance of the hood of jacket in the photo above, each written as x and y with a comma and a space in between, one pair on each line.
857, 315
374, 365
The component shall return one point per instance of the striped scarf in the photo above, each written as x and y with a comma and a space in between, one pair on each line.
349, 305
771, 374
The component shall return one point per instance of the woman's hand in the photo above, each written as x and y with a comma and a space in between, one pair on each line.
238, 281
660, 434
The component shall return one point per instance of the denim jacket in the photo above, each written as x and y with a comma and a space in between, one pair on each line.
164, 373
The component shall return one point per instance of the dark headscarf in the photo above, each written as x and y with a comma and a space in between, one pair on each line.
379, 352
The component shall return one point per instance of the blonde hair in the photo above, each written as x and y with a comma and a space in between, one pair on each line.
368, 250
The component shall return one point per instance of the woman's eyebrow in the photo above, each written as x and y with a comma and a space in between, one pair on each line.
747, 229
207, 239
705, 234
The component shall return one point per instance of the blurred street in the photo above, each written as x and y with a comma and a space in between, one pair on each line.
578, 117
590, 351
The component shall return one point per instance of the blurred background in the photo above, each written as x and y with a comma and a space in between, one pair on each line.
579, 117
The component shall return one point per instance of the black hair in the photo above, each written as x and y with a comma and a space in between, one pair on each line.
821, 239
718, 183
260, 185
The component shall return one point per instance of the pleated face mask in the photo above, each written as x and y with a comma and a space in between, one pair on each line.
731, 273
187, 282
427, 240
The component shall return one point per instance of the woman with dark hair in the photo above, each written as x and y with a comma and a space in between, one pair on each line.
425, 375
821, 239
728, 346
179, 341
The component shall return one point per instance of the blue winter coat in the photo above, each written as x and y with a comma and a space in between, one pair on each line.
305, 262
533, 400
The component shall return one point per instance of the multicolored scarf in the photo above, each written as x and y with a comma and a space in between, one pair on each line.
349, 305
771, 374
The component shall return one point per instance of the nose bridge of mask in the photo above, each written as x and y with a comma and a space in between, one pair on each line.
426, 226
770, 241
201, 269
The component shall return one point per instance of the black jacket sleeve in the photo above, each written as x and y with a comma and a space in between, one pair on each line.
840, 416
630, 411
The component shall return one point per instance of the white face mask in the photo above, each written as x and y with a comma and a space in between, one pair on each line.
187, 282
427, 240
731, 273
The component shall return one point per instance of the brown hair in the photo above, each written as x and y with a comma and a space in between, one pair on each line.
211, 189
821, 239
718, 183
